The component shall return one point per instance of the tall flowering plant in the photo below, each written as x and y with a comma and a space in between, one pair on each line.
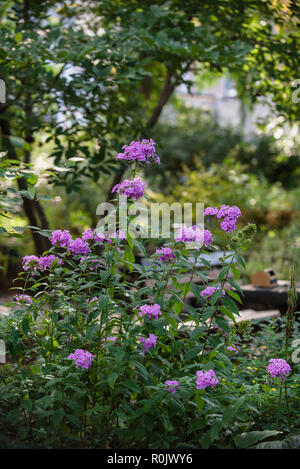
110, 351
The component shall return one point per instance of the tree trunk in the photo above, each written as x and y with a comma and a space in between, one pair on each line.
32, 208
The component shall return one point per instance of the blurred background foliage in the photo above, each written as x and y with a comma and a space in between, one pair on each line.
84, 78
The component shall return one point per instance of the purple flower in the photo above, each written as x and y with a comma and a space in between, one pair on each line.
278, 367
207, 238
143, 151
205, 379
39, 263
229, 215
46, 261
93, 300
208, 291
60, 238
82, 358
30, 262
233, 348
193, 234
152, 311
188, 234
88, 234
121, 235
211, 211
171, 386
99, 237
94, 236
133, 188
166, 254
78, 246
23, 299
150, 342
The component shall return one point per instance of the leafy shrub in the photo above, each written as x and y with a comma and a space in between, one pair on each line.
98, 358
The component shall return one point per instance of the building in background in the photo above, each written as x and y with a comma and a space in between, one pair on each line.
221, 100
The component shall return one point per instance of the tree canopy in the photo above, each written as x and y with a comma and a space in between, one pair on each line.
90, 75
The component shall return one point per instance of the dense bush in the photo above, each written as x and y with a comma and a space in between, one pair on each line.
98, 358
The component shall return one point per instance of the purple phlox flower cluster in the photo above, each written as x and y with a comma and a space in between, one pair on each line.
78, 246
165, 254
60, 238
119, 235
99, 237
208, 291
133, 188
96, 237
46, 261
143, 151
92, 301
30, 262
207, 238
194, 234
211, 211
82, 358
87, 234
206, 378
233, 348
150, 342
171, 385
229, 215
39, 263
152, 311
278, 367
23, 299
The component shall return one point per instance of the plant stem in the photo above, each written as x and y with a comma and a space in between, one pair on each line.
278, 407
287, 403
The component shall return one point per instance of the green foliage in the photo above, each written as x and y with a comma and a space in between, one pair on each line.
87, 86
10, 197
121, 400
189, 137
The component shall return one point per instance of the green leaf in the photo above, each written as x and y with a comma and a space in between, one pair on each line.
230, 304
231, 410
58, 416
227, 312
236, 273
215, 430
18, 37
92, 331
140, 369
234, 295
32, 179
196, 290
250, 438
223, 324
200, 403
241, 261
112, 378
235, 285
223, 273
25, 325
27, 194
